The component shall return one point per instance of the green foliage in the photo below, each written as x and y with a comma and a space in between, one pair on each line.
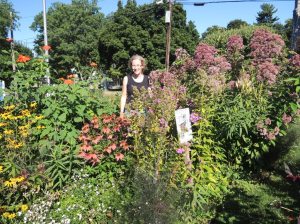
87, 199
255, 202
72, 34
266, 15
219, 38
141, 30
236, 24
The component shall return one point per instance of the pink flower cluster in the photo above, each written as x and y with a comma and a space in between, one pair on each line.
181, 54
206, 58
267, 71
235, 44
265, 131
265, 45
295, 61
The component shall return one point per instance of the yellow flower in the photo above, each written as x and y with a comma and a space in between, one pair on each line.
10, 107
2, 124
6, 215
24, 208
24, 133
10, 183
1, 169
39, 117
19, 179
33, 105
25, 113
11, 215
40, 127
24, 127
8, 132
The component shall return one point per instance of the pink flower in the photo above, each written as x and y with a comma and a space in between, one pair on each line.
268, 121
119, 156
194, 117
180, 150
234, 44
286, 118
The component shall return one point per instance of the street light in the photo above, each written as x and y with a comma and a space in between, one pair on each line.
46, 41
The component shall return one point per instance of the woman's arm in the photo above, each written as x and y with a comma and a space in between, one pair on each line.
124, 96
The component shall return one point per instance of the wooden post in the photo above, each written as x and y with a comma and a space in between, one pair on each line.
168, 19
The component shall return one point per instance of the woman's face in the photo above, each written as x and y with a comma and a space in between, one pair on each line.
137, 67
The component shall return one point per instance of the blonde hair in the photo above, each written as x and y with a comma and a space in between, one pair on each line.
137, 57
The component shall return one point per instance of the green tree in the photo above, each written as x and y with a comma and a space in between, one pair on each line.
211, 30
72, 33
134, 29
8, 21
266, 15
236, 24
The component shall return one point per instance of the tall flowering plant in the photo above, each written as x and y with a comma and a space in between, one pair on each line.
19, 160
104, 138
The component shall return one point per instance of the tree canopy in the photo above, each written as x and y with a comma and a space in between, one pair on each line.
266, 15
236, 24
134, 29
72, 33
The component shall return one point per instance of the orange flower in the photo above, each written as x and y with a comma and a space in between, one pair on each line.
23, 58
86, 128
68, 81
62, 79
9, 40
70, 76
119, 156
124, 145
93, 64
46, 48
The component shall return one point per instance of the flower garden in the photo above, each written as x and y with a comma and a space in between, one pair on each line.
67, 157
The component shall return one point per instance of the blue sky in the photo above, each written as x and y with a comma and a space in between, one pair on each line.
203, 17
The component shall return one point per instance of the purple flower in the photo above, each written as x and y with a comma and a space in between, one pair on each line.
194, 117
163, 123
180, 150
295, 60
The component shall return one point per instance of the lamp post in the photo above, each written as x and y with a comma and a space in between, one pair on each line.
46, 41
12, 44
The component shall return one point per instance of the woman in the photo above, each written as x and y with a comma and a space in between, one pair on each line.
137, 79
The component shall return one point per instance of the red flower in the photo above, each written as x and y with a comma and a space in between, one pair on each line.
23, 58
9, 40
46, 48
119, 156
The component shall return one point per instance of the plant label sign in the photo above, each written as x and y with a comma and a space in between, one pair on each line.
183, 124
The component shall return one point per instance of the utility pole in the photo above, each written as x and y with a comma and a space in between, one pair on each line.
168, 34
296, 27
12, 44
46, 41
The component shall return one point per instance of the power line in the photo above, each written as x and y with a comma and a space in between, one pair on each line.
185, 2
